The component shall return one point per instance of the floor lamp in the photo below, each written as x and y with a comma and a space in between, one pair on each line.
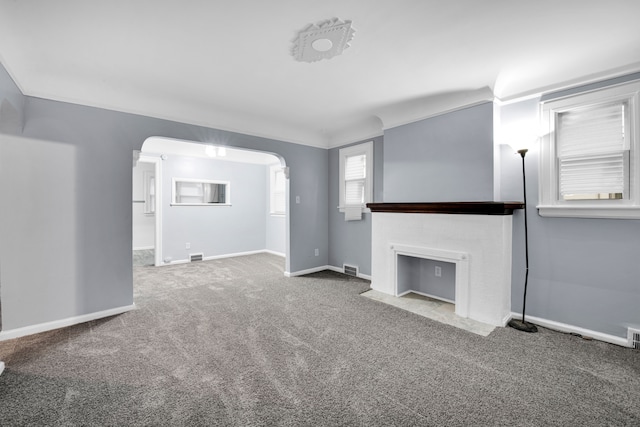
523, 325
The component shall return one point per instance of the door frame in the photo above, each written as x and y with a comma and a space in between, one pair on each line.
157, 162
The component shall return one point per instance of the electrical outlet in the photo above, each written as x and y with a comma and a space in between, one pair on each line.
188, 245
297, 200
438, 271
317, 252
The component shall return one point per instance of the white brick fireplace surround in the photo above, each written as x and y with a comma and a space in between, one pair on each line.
474, 236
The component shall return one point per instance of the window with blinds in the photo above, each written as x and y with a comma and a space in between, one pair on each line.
593, 152
590, 156
356, 175
277, 191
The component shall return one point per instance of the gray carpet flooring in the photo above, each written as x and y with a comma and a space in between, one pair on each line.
234, 343
143, 257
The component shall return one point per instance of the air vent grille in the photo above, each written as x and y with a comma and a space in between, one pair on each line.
350, 270
634, 338
195, 257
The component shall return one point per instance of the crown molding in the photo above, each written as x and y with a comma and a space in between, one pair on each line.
414, 110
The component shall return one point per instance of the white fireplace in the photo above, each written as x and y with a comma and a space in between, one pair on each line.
459, 259
478, 244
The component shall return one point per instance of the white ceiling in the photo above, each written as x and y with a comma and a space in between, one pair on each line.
228, 64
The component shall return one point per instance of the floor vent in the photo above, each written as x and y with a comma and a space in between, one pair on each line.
350, 270
195, 257
634, 338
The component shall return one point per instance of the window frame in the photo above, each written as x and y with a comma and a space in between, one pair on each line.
174, 195
365, 148
550, 203
149, 191
273, 170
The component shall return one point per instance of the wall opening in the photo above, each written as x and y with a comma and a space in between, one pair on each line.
244, 225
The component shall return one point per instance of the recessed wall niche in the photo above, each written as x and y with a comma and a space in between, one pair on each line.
431, 278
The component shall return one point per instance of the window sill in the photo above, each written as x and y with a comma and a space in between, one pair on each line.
612, 212
364, 208
200, 204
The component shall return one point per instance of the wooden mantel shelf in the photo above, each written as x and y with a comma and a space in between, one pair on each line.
464, 208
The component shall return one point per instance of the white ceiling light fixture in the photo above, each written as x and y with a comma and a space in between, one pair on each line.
213, 151
210, 151
323, 40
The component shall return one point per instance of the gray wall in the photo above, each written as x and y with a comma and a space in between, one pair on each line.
447, 158
41, 249
11, 120
418, 274
214, 230
89, 156
582, 272
11, 104
350, 241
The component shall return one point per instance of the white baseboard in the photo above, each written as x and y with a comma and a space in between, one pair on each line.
334, 268
210, 258
143, 248
62, 323
308, 271
321, 268
233, 255
267, 251
507, 318
563, 327
178, 261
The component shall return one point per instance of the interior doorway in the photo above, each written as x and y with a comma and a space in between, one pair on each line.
184, 227
146, 212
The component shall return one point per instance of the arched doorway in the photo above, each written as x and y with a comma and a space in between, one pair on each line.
177, 225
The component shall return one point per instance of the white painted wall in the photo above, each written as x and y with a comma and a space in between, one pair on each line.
143, 224
214, 230
275, 230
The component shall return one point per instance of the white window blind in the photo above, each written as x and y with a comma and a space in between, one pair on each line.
356, 179
355, 175
592, 149
278, 198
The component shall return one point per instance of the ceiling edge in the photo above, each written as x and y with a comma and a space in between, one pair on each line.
366, 128
571, 83
355, 137
423, 108
293, 136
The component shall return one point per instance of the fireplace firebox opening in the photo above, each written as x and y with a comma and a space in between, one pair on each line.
426, 277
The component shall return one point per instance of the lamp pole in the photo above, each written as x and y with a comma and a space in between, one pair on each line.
523, 325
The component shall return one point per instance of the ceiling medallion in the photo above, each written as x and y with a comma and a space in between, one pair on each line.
323, 40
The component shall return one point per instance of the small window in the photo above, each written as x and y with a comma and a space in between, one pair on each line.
356, 176
590, 157
277, 190
200, 192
